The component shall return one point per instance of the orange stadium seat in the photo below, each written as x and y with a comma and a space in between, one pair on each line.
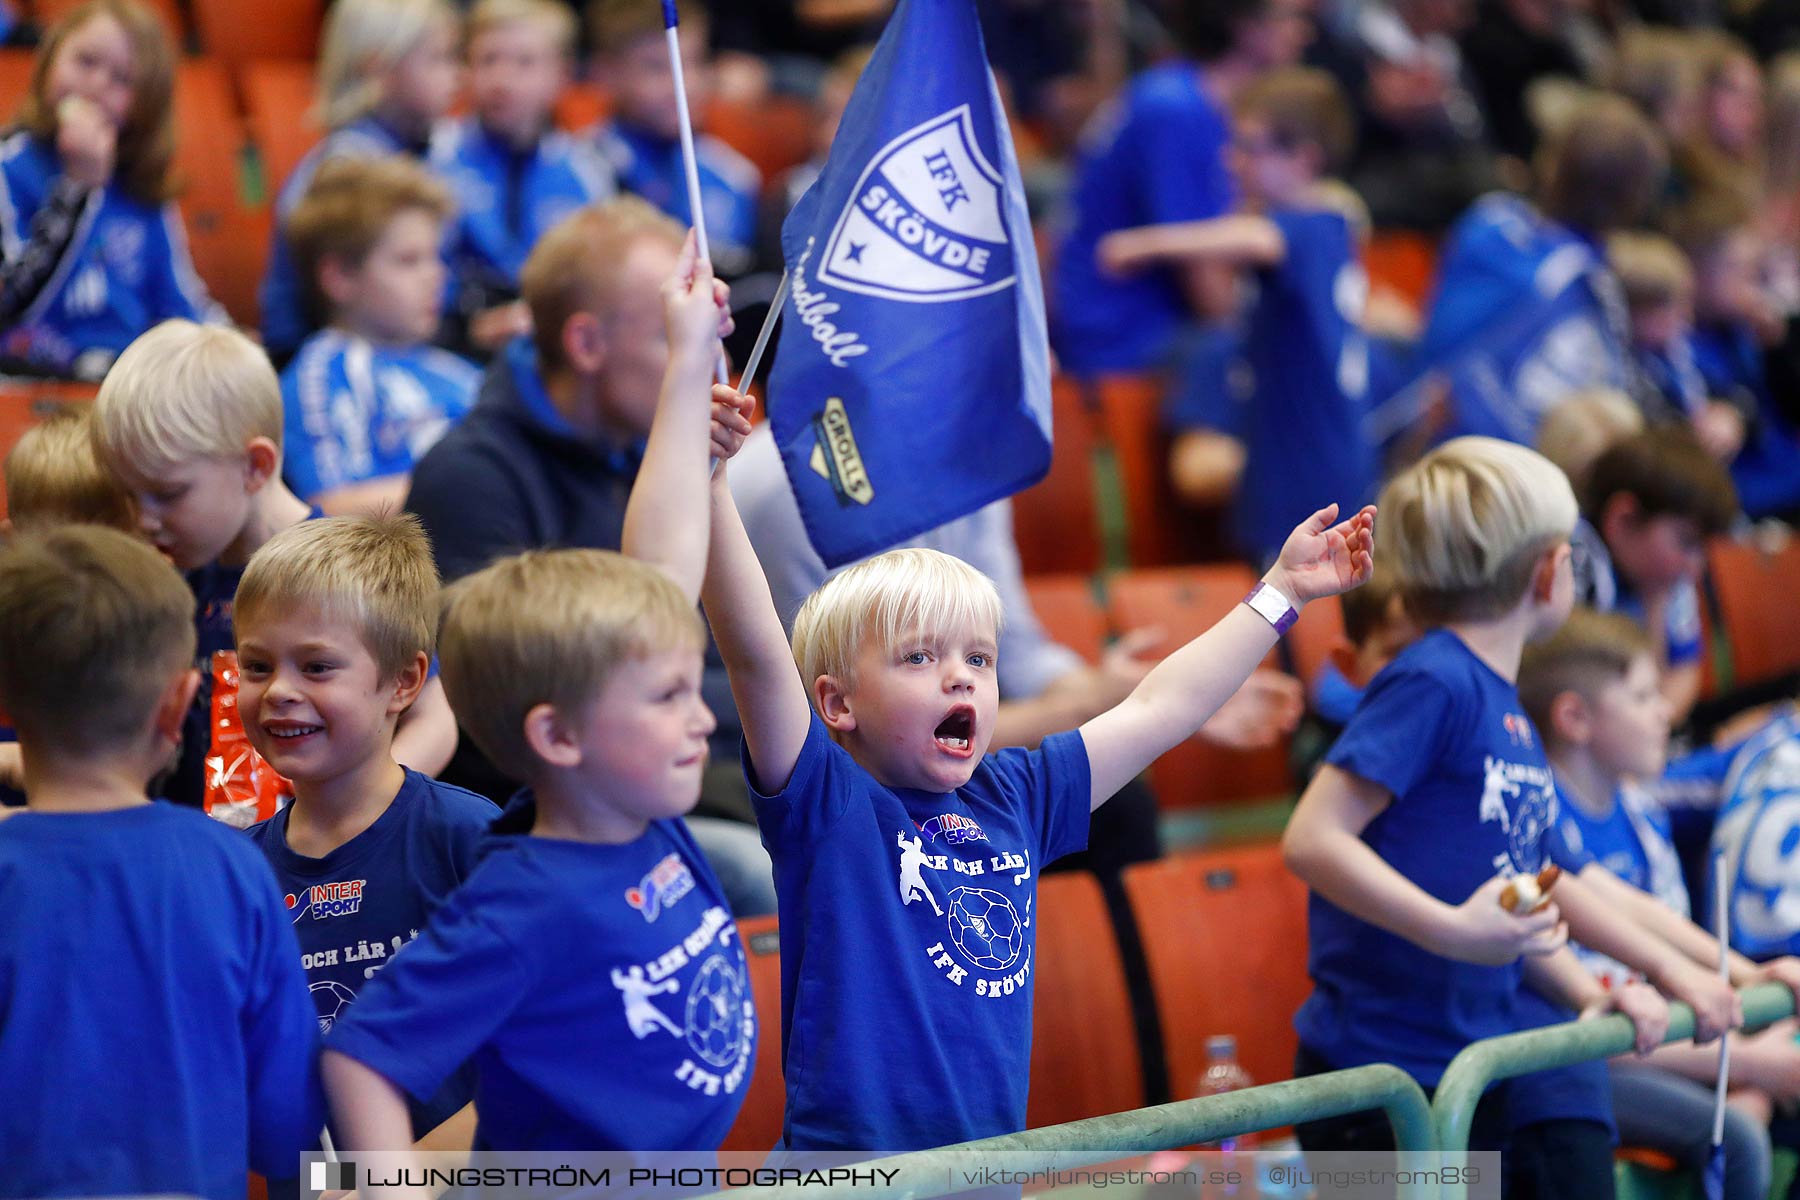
1194, 913
1402, 260
1066, 606
23, 402
1159, 528
774, 134
1756, 607
1084, 1051
1055, 521
49, 12
758, 1126
1184, 602
15, 80
237, 31
278, 94
582, 105
228, 238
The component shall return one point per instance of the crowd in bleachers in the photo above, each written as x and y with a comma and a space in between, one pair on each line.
1529, 270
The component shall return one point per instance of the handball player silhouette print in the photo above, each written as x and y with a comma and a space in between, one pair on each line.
913, 383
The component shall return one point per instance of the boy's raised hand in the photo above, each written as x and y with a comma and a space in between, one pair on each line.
1483, 932
1323, 559
731, 411
696, 307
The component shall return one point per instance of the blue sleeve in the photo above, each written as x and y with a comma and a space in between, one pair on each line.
1178, 157
1563, 844
1062, 794
1685, 639
180, 292
281, 1040
429, 1010
1398, 734
817, 793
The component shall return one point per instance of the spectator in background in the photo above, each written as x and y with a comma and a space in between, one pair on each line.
1526, 312
784, 45
1155, 156
513, 173
1656, 69
387, 75
642, 139
1510, 45
1658, 285
1424, 152
92, 250
366, 396
1733, 325
1723, 151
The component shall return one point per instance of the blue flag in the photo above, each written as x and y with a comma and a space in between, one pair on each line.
912, 382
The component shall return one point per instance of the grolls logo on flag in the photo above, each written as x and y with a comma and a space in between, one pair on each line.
926, 221
836, 456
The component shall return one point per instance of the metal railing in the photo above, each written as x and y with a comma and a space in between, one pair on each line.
1163, 1127
1472, 1071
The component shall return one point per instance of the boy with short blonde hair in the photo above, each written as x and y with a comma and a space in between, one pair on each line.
52, 475
203, 1008
1436, 794
368, 394
580, 670
515, 175
336, 621
189, 420
879, 772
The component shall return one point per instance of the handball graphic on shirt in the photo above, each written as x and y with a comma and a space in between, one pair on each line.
983, 932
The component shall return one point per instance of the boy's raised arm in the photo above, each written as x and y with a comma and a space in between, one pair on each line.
1178, 695
666, 517
772, 700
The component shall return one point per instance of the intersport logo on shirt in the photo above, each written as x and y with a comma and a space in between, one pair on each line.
326, 900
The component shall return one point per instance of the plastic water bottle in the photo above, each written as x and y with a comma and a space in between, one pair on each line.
1223, 1074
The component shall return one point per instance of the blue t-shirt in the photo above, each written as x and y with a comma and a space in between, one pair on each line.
1155, 155
1633, 841
1472, 798
907, 941
1524, 314
357, 907
1305, 445
126, 270
649, 166
355, 411
1758, 831
507, 199
602, 992
155, 1031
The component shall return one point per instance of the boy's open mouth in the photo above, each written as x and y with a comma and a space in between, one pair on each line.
956, 732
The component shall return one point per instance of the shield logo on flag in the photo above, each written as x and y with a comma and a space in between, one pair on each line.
926, 221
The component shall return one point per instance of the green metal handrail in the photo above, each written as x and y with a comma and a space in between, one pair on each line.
1163, 1127
1481, 1064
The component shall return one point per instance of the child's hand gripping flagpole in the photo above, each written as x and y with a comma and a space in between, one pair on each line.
1713, 1184
671, 31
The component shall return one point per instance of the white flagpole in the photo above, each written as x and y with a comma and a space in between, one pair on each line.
762, 335
1722, 931
672, 33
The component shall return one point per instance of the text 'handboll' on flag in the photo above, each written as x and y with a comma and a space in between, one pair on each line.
912, 382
